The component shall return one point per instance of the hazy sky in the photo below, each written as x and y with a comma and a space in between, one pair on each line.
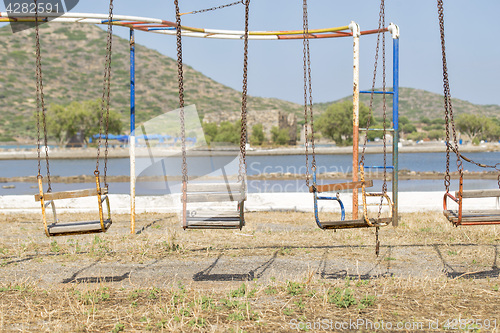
275, 67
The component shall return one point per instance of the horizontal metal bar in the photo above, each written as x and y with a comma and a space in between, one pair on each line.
378, 129
328, 198
379, 167
377, 92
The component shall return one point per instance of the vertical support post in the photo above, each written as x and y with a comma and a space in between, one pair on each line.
132, 131
98, 188
394, 29
42, 202
355, 116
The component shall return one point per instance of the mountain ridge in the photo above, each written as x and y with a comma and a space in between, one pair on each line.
73, 66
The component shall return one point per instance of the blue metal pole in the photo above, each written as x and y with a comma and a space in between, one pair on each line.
395, 120
132, 81
132, 131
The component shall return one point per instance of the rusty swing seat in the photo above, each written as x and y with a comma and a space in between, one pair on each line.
471, 217
74, 228
49, 198
214, 193
365, 221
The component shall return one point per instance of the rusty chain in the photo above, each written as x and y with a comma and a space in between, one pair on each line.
180, 78
381, 25
495, 166
105, 101
40, 103
381, 22
243, 137
308, 100
214, 8
384, 106
448, 107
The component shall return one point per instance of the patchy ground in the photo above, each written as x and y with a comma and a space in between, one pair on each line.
280, 273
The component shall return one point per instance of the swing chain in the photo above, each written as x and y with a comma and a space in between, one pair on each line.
381, 22
308, 101
381, 25
481, 165
105, 100
448, 107
384, 103
40, 103
215, 8
180, 77
243, 138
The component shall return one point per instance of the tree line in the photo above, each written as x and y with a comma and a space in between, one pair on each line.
65, 121
336, 124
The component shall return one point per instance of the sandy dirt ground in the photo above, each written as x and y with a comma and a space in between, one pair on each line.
425, 258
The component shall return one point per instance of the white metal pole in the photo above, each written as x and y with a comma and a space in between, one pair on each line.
355, 116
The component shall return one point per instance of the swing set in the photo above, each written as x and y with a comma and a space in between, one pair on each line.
228, 191
461, 216
235, 192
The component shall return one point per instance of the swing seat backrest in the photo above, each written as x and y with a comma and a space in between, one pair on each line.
70, 194
340, 186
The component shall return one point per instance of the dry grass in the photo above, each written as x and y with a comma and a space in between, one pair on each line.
280, 273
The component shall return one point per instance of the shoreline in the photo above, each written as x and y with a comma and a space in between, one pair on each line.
334, 176
90, 153
256, 202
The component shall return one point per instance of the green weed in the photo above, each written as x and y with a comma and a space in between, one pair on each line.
343, 298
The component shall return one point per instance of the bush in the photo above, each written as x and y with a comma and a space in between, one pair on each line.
408, 128
336, 122
280, 136
417, 136
436, 134
4, 138
226, 132
258, 137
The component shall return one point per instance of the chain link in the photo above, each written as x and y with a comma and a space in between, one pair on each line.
180, 77
381, 25
243, 138
381, 20
105, 100
41, 105
308, 100
448, 107
215, 8
306, 114
384, 103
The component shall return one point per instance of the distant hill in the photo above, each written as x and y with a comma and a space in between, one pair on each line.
417, 103
73, 64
